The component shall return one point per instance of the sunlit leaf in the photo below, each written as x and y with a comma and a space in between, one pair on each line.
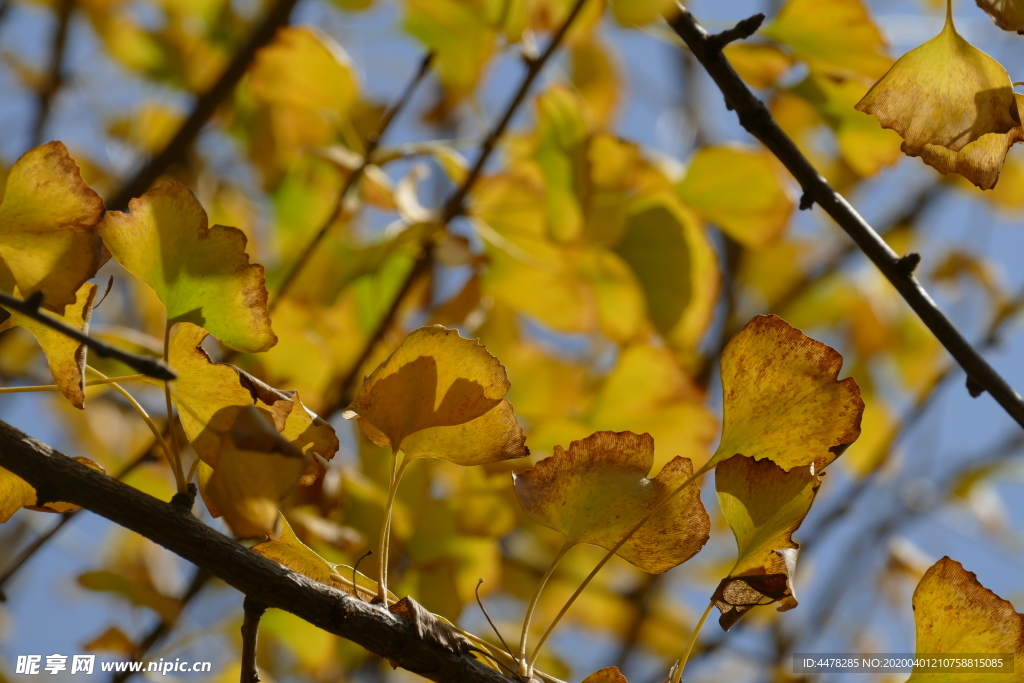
65, 356
256, 468
832, 35
16, 493
782, 399
609, 674
955, 614
952, 104
763, 504
640, 12
302, 67
740, 191
596, 491
201, 274
139, 594
440, 395
112, 640
759, 64
48, 220
595, 74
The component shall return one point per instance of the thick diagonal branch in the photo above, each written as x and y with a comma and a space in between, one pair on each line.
755, 117
59, 478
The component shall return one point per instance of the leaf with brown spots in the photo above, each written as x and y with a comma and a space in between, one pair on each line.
781, 398
955, 614
598, 490
763, 504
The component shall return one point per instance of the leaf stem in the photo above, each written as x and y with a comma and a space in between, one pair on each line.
54, 387
175, 451
523, 669
611, 552
678, 677
112, 381
397, 470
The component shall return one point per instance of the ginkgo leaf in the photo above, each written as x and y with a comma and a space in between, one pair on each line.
598, 490
952, 104
759, 64
16, 493
440, 395
740, 191
640, 12
201, 274
782, 399
48, 220
256, 468
138, 593
430, 628
1007, 14
832, 36
303, 67
65, 356
763, 504
209, 397
610, 674
286, 549
955, 614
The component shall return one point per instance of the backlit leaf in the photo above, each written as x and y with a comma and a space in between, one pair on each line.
740, 191
48, 220
759, 64
763, 504
955, 614
201, 274
782, 400
65, 356
609, 674
16, 493
440, 395
952, 104
598, 490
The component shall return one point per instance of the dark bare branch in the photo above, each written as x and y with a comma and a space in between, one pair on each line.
755, 117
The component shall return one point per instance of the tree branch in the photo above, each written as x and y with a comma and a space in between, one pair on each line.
55, 75
151, 367
204, 107
57, 477
758, 121
253, 612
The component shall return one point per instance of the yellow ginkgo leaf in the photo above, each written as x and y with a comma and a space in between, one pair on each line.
210, 396
740, 191
1007, 14
832, 36
304, 68
598, 490
952, 104
640, 12
759, 64
781, 398
763, 504
256, 468
955, 614
48, 220
201, 274
440, 395
65, 356
609, 674
16, 493
286, 549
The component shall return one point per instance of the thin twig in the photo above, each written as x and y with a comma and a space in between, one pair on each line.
372, 142
480, 604
151, 367
55, 74
204, 107
253, 612
757, 120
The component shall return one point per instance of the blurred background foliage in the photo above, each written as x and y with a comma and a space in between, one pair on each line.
625, 229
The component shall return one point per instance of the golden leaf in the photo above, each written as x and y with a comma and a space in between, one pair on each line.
302, 67
201, 274
952, 104
16, 493
955, 614
598, 490
65, 356
763, 504
48, 220
609, 674
440, 395
781, 398
1007, 14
